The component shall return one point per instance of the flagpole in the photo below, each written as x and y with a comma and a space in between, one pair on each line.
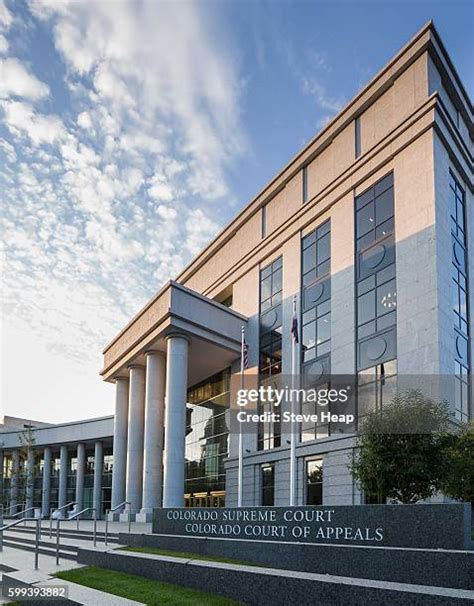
292, 425
241, 441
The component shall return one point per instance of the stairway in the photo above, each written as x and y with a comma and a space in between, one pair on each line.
70, 540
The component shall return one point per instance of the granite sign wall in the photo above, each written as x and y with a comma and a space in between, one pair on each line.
431, 526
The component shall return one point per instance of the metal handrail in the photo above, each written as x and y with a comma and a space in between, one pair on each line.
9, 508
71, 517
15, 523
125, 503
23, 511
51, 509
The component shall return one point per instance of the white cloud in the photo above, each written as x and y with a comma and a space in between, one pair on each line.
21, 119
16, 81
313, 86
8, 150
84, 120
6, 18
3, 44
108, 200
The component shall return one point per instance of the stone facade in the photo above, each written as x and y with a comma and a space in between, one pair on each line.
414, 120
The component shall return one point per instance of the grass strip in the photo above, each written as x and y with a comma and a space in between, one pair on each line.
140, 589
186, 554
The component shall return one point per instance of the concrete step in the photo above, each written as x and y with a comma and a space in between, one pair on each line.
27, 540
65, 553
77, 594
259, 586
446, 568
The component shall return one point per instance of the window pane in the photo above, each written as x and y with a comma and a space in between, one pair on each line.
324, 328
386, 274
385, 229
309, 239
324, 308
365, 220
324, 349
309, 258
384, 206
323, 252
323, 268
266, 288
366, 308
364, 198
323, 229
309, 335
386, 298
309, 278
366, 330
365, 285
387, 320
277, 279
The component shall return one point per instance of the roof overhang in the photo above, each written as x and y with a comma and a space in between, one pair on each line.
213, 330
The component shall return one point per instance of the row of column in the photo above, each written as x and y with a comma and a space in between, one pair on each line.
149, 436
63, 476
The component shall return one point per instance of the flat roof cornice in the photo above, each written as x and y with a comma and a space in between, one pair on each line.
421, 42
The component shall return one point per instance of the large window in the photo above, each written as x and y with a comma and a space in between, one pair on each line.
314, 481
270, 348
268, 484
206, 439
376, 295
460, 299
271, 285
316, 320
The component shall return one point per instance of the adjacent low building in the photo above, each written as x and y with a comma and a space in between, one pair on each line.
371, 227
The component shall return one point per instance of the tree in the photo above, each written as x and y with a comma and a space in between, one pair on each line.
458, 479
400, 448
27, 474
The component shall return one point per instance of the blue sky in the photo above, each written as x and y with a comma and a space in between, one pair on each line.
130, 132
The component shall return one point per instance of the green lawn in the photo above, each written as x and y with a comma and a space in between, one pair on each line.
140, 589
185, 554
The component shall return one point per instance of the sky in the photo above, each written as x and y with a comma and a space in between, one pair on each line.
132, 131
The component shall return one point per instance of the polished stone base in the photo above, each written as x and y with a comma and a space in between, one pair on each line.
447, 568
263, 586
145, 516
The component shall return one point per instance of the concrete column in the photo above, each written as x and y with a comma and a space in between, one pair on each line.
98, 467
80, 473
175, 420
46, 490
2, 459
119, 468
154, 420
30, 480
136, 425
14, 481
63, 469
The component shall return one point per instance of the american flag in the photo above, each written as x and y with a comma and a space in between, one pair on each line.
294, 328
246, 354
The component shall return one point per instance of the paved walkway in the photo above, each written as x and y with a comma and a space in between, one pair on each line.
24, 561
23, 564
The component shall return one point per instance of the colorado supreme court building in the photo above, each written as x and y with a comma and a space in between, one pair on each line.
371, 226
